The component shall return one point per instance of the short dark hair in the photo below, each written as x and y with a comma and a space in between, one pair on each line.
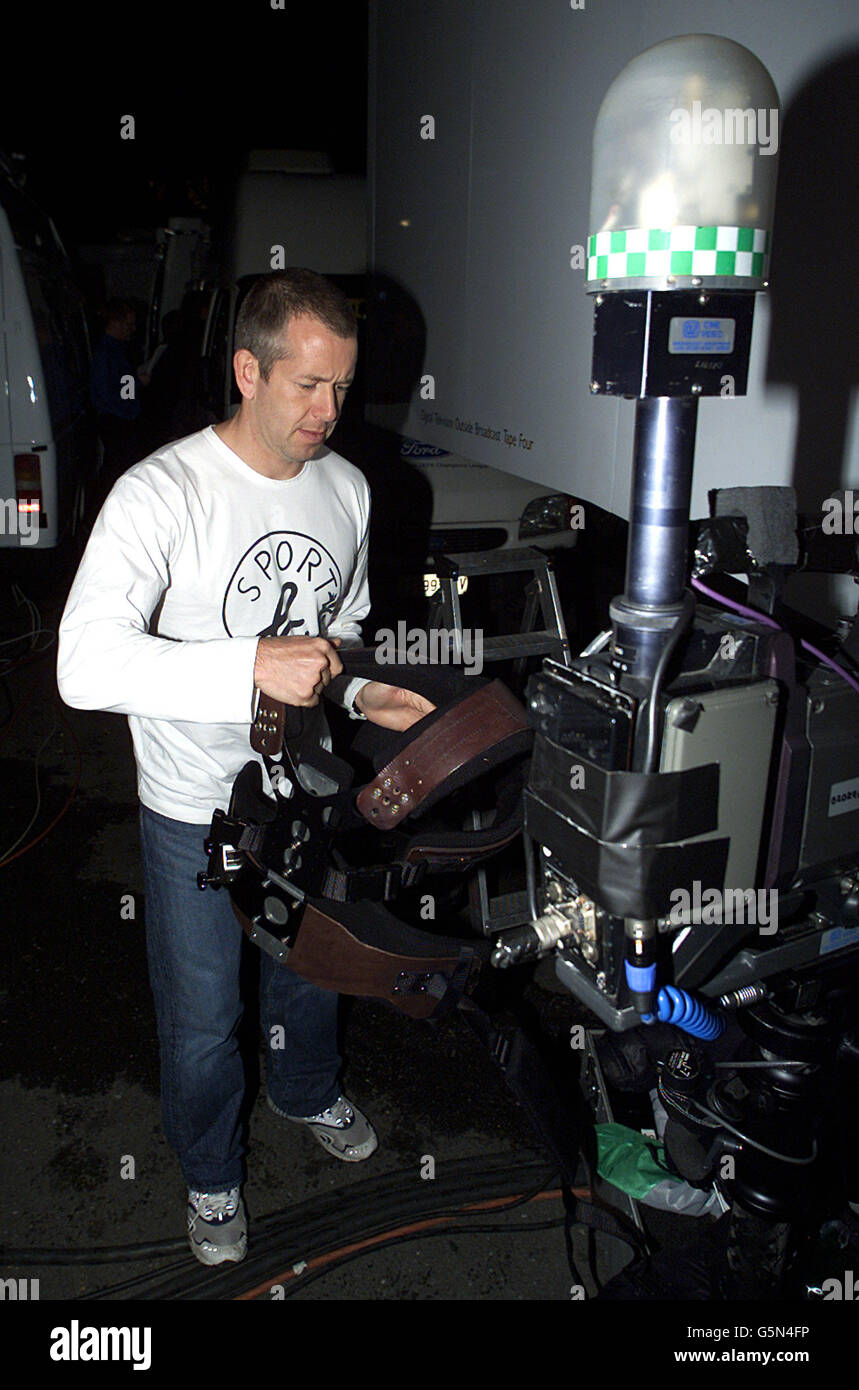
274, 300
116, 310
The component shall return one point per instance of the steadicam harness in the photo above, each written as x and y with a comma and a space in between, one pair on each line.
312, 871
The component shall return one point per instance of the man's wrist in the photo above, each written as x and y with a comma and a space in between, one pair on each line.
356, 711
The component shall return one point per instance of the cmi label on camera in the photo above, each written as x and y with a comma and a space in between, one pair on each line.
701, 335
837, 938
844, 796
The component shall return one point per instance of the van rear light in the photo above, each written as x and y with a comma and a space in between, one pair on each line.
28, 483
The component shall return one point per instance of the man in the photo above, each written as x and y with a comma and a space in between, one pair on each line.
228, 563
115, 389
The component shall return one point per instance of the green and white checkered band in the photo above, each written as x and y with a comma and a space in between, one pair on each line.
653, 253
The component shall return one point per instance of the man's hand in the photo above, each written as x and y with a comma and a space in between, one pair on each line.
296, 670
391, 705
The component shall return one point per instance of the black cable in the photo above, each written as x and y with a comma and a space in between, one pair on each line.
92, 1255
7, 696
684, 618
326, 1222
528, 1196
530, 874
121, 1254
137, 1281
238, 1279
483, 1228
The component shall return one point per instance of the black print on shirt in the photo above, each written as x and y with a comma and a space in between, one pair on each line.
280, 625
280, 585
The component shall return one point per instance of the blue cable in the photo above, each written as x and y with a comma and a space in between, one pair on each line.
676, 1006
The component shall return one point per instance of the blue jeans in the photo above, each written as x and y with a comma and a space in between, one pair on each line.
193, 943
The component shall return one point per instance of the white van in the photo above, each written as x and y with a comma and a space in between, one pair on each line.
48, 444
476, 507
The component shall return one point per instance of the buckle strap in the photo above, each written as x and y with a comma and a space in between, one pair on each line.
379, 884
252, 838
268, 725
275, 724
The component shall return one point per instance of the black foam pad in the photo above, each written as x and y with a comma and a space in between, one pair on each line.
771, 514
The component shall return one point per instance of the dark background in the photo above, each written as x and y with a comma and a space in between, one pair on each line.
204, 83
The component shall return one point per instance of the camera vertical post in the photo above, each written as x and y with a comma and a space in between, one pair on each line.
681, 204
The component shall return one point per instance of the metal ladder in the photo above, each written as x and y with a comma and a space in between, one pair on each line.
491, 915
542, 592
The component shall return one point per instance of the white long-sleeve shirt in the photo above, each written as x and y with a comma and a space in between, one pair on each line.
193, 557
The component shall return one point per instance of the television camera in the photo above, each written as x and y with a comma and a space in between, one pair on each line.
694, 785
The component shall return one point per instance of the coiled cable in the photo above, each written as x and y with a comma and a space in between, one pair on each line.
684, 1011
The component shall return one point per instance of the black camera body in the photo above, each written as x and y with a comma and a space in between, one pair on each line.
692, 803
749, 876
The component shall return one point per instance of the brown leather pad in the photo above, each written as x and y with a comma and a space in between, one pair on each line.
328, 954
476, 724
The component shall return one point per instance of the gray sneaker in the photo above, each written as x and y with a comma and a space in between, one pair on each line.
217, 1226
341, 1129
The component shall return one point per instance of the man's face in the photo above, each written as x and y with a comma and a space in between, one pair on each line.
295, 411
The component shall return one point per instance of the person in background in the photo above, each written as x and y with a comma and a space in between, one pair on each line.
173, 405
115, 390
